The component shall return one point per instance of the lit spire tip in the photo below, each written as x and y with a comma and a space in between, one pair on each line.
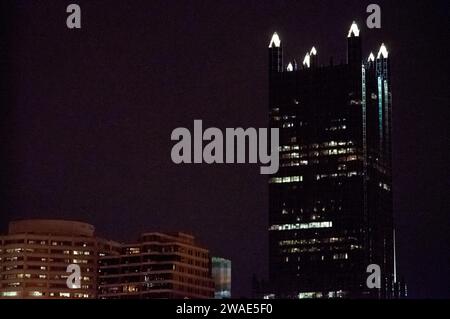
307, 60
275, 41
290, 67
383, 52
354, 30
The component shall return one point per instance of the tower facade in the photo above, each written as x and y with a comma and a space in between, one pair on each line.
330, 204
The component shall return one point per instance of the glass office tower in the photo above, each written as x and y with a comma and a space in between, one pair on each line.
330, 206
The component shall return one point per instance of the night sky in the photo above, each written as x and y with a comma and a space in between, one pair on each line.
86, 118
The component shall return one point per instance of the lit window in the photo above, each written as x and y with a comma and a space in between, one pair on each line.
134, 250
340, 256
310, 295
36, 294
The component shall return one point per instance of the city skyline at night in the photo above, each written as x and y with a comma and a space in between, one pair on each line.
38, 258
87, 117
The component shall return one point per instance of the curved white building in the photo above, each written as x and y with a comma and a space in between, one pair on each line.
34, 256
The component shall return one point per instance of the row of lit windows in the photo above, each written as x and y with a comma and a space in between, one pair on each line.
40, 294
313, 295
51, 268
286, 179
313, 249
315, 209
295, 163
335, 151
45, 251
312, 241
284, 117
315, 145
39, 276
296, 250
284, 148
338, 256
40, 284
297, 179
328, 224
23, 250
328, 152
46, 242
335, 175
301, 124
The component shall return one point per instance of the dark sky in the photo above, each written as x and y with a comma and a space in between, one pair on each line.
87, 116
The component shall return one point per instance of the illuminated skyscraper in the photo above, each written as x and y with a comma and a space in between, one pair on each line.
331, 210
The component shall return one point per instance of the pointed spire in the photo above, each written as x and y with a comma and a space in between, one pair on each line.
371, 57
307, 60
290, 67
313, 51
383, 52
275, 41
354, 30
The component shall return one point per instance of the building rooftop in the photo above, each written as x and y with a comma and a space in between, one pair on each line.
51, 227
